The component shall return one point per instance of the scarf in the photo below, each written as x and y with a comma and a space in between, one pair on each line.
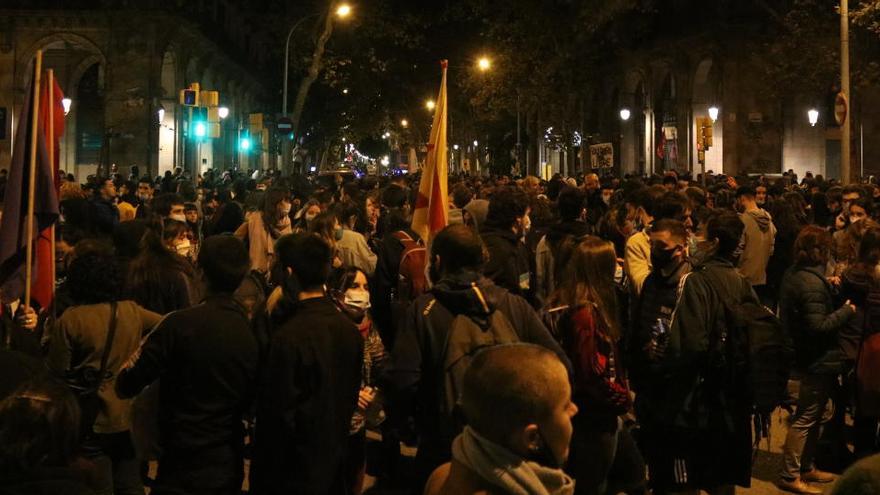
506, 470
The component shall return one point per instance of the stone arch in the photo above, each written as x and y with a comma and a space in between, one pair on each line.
24, 61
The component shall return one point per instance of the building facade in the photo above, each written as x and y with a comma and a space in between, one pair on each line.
122, 70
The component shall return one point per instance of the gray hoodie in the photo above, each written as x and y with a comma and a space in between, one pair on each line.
756, 246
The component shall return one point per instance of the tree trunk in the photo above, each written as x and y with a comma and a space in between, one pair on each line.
312, 74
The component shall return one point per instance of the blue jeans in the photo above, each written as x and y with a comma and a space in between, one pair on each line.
806, 424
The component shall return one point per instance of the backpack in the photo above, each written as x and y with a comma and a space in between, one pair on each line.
411, 279
464, 340
753, 351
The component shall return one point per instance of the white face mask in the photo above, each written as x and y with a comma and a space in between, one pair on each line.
183, 247
180, 217
357, 298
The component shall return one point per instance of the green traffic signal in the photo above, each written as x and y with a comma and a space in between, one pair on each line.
201, 130
244, 144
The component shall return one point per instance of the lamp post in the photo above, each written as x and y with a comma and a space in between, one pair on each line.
813, 116
625, 114
66, 102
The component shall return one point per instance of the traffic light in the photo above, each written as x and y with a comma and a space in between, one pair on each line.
200, 130
244, 144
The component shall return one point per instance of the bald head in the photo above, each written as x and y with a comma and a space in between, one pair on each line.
525, 381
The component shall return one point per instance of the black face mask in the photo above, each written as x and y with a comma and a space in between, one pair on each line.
663, 261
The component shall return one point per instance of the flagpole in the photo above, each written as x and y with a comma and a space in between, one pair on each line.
51, 84
29, 268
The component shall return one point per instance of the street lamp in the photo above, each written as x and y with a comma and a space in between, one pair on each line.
404, 123
713, 113
455, 146
223, 112
161, 114
476, 143
65, 102
430, 104
813, 115
343, 11
345, 91
484, 64
624, 114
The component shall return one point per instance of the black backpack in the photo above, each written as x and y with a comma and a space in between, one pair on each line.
752, 350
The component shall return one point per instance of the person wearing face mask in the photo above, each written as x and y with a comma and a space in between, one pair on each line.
637, 255
350, 290
416, 373
521, 450
263, 228
306, 215
705, 421
506, 225
650, 334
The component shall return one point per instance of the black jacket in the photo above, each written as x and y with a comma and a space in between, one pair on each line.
105, 216
806, 307
207, 359
309, 392
508, 266
415, 374
385, 281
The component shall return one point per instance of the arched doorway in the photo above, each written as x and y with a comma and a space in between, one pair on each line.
78, 65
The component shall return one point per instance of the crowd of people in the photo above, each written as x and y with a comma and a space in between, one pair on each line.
585, 335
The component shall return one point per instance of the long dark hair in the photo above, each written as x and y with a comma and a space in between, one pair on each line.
589, 279
270, 209
148, 281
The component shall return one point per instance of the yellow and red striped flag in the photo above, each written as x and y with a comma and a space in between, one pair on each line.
431, 212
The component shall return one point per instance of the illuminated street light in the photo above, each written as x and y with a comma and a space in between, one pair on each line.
430, 104
65, 102
404, 123
713, 113
476, 143
223, 112
484, 64
455, 146
813, 115
345, 91
159, 113
343, 11
385, 160
624, 114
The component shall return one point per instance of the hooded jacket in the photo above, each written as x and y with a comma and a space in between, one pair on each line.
509, 263
415, 374
758, 240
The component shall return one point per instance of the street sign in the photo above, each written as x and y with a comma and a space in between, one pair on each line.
841, 108
285, 125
